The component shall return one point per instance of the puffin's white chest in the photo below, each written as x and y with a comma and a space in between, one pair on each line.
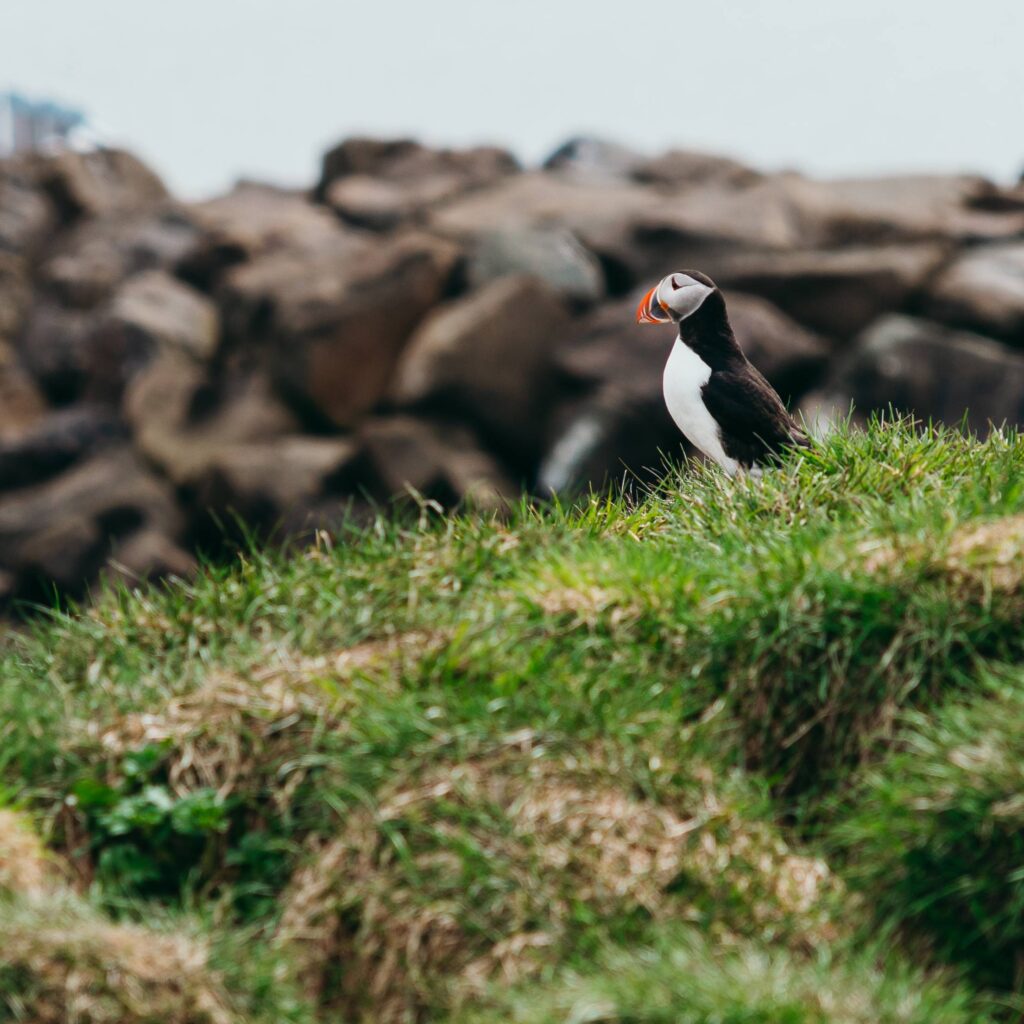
685, 374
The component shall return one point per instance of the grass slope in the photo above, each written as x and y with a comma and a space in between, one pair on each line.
743, 751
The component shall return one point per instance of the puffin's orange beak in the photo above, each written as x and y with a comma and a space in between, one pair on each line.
650, 310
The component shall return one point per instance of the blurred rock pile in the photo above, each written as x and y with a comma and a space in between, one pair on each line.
443, 322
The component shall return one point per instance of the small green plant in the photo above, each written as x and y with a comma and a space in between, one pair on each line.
145, 839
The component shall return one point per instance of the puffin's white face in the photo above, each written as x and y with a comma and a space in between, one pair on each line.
675, 298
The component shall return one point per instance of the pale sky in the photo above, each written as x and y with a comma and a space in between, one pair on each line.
210, 90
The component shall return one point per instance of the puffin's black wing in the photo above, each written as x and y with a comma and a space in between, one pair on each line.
753, 421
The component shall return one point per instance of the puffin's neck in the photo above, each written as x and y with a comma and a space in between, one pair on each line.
709, 333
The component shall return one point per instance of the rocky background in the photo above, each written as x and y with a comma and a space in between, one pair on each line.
445, 325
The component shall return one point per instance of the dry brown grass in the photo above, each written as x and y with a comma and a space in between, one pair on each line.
59, 964
246, 732
989, 554
381, 925
25, 867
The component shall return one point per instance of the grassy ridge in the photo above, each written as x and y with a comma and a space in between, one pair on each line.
598, 764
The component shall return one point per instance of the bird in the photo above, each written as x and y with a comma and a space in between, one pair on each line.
717, 398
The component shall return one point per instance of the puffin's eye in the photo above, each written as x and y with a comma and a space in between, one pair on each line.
675, 285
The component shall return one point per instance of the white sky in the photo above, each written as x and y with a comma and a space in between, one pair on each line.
208, 90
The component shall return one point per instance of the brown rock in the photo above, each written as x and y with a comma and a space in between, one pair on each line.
698, 225
251, 221
56, 348
680, 168
983, 289
61, 530
96, 255
489, 356
21, 403
439, 461
55, 443
147, 555
381, 184
905, 208
27, 217
602, 215
265, 483
179, 420
15, 294
921, 367
835, 292
99, 182
335, 327
409, 187
151, 313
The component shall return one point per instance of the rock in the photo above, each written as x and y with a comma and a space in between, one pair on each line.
906, 208
268, 484
145, 556
610, 440
151, 313
21, 403
488, 356
56, 348
679, 168
15, 294
411, 186
363, 156
61, 531
335, 327
920, 367
983, 289
57, 442
704, 225
552, 255
602, 215
27, 217
99, 182
380, 184
96, 255
438, 461
698, 225
836, 292
179, 419
251, 221
588, 158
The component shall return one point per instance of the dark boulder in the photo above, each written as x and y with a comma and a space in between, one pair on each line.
334, 325
488, 358
61, 532
431, 459
837, 292
56, 443
921, 367
983, 289
95, 256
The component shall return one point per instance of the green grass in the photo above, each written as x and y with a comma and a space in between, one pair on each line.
448, 764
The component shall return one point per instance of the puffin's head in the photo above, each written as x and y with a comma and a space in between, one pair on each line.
675, 297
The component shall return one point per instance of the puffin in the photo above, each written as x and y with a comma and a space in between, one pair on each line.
716, 397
